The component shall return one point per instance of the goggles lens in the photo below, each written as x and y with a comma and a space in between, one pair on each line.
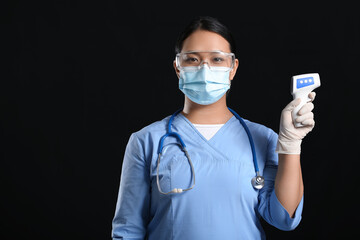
216, 60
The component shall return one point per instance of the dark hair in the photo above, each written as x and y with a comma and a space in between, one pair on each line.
209, 24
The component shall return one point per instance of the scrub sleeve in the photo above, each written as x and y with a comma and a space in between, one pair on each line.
133, 205
269, 207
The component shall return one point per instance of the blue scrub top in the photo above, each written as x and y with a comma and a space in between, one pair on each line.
222, 205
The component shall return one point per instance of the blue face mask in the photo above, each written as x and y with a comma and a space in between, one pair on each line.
204, 86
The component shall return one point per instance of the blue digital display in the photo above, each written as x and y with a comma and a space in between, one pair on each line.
303, 82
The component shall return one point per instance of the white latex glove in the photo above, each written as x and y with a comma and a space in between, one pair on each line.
290, 137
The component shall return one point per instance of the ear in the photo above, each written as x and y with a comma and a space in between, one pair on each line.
177, 71
233, 71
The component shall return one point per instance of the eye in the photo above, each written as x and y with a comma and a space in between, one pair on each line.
191, 60
218, 59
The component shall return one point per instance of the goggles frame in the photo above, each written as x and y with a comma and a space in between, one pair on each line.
214, 68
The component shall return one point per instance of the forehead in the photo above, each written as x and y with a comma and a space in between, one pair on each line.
202, 40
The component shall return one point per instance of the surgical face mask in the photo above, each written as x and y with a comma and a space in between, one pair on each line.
204, 86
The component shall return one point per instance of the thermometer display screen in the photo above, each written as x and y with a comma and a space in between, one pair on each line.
303, 82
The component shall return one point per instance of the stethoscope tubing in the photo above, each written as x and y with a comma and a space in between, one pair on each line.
257, 181
250, 138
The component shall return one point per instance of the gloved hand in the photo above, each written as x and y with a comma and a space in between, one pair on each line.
290, 137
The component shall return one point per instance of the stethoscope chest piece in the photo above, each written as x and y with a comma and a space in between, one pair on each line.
258, 181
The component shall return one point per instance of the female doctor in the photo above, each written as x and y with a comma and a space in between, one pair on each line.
191, 175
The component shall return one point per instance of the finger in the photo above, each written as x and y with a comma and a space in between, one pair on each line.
308, 107
308, 122
309, 115
292, 104
312, 96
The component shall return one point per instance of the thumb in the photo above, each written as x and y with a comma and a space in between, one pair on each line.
292, 104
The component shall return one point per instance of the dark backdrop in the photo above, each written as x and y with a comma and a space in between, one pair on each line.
80, 77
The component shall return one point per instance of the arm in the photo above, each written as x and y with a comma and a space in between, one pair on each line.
289, 186
272, 208
133, 204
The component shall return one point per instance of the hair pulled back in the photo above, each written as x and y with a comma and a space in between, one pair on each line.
205, 23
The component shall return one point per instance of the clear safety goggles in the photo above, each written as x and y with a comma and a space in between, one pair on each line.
216, 60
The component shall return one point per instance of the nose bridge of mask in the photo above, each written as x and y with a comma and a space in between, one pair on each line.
213, 77
205, 72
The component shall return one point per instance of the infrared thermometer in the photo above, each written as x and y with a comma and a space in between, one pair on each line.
301, 86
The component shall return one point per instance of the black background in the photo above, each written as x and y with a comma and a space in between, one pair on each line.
80, 77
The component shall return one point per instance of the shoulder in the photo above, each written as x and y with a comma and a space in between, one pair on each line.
265, 139
152, 130
259, 130
144, 142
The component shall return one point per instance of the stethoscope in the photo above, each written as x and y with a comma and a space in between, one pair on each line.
257, 182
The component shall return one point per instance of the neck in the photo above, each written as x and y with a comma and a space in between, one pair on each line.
216, 113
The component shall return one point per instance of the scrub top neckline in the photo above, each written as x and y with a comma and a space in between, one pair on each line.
219, 132
190, 130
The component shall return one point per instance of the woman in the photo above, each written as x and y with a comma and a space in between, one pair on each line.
159, 197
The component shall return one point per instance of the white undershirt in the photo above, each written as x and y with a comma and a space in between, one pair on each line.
208, 130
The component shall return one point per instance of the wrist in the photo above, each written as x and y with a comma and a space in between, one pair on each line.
285, 146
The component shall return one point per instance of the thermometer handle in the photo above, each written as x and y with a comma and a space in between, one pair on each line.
303, 95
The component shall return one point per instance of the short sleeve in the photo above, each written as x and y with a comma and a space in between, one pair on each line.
132, 208
269, 206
